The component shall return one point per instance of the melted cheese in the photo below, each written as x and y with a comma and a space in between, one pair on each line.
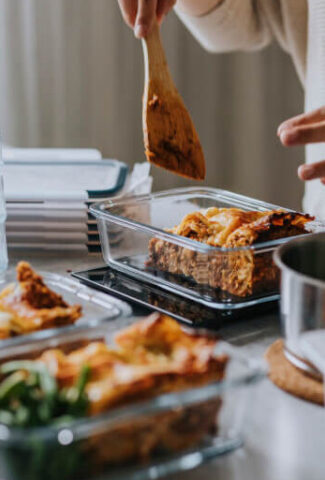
151, 356
214, 225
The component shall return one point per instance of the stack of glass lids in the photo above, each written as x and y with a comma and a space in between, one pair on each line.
48, 193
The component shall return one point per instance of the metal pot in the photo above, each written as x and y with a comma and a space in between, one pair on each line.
302, 264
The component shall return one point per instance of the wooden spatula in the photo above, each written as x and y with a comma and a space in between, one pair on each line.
170, 137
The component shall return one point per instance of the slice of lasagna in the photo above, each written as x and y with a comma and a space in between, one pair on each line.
29, 305
238, 272
152, 356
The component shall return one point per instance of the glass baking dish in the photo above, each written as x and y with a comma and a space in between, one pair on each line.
97, 307
130, 442
220, 273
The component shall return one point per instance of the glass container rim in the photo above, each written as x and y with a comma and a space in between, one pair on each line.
101, 211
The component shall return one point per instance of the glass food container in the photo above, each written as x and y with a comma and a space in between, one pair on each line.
97, 307
98, 447
133, 230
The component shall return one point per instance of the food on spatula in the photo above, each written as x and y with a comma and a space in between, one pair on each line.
29, 305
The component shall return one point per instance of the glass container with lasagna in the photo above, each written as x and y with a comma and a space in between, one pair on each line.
209, 245
141, 402
35, 306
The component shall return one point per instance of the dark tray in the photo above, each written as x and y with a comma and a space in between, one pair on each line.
154, 298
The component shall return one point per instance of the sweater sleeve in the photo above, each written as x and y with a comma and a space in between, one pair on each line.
234, 25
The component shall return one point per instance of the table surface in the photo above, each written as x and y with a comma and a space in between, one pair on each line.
285, 436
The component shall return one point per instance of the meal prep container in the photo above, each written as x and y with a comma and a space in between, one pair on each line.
97, 307
87, 180
302, 264
85, 449
140, 219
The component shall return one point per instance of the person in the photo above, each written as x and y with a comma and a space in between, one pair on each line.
297, 25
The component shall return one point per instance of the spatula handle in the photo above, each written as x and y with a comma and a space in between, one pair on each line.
156, 67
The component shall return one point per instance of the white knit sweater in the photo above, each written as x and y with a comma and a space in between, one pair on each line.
299, 27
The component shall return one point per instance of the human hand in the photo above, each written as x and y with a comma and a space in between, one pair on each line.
302, 130
141, 14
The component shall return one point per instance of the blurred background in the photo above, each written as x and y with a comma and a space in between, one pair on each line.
71, 74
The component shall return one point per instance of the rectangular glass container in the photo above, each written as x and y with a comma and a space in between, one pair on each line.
214, 276
143, 440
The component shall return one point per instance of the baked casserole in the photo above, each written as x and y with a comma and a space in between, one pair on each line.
232, 268
151, 357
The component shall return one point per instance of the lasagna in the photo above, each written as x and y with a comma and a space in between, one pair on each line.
29, 305
230, 267
151, 357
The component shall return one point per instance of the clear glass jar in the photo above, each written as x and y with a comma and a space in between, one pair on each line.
3, 216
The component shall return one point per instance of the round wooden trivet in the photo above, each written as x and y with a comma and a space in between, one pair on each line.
289, 378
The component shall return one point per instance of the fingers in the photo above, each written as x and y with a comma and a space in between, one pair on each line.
301, 130
302, 135
163, 7
146, 15
306, 118
129, 11
312, 171
141, 14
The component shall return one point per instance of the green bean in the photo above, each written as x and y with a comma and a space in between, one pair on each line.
82, 380
32, 379
75, 393
10, 385
15, 365
22, 416
47, 381
29, 396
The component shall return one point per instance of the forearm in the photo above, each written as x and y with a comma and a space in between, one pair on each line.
197, 9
